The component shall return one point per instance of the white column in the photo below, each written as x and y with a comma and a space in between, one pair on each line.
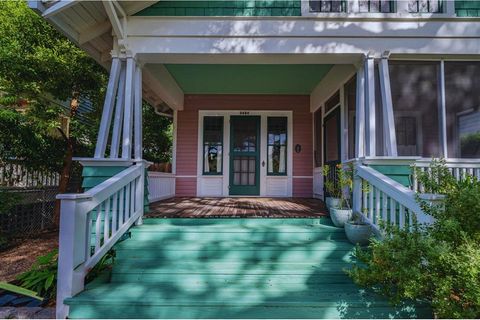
108, 109
389, 134
343, 126
128, 110
442, 111
138, 113
117, 122
370, 106
360, 114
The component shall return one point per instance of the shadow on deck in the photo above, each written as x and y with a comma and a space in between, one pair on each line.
245, 207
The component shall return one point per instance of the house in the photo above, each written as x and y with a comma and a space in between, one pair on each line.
263, 93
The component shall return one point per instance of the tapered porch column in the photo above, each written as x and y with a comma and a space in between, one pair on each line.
369, 69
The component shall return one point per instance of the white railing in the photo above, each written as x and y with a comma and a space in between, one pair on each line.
161, 185
91, 223
17, 175
379, 198
459, 168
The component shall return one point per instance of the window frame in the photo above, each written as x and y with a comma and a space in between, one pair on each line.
218, 173
286, 147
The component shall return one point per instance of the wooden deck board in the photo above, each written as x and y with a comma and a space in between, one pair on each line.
238, 208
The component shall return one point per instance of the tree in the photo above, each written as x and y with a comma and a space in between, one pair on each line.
157, 136
37, 61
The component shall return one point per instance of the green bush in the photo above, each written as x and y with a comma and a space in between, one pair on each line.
439, 263
42, 277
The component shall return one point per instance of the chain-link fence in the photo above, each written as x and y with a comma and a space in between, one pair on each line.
32, 212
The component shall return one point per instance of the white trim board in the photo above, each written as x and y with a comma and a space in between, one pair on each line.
266, 182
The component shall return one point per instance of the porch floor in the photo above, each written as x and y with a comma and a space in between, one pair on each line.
238, 208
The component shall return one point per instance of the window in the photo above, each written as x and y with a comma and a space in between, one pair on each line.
425, 6
463, 109
327, 6
383, 6
277, 146
212, 145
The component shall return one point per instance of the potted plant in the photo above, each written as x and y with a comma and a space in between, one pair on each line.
334, 193
342, 212
357, 231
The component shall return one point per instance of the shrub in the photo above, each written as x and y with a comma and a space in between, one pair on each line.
439, 263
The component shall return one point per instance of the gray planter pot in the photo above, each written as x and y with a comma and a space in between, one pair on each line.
358, 233
340, 216
332, 202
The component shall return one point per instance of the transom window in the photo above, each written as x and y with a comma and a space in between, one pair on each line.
277, 146
384, 6
327, 6
212, 145
425, 6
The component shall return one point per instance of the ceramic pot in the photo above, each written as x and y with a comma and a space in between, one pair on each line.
340, 216
358, 233
332, 202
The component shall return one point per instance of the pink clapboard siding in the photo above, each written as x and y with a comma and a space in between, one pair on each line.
187, 134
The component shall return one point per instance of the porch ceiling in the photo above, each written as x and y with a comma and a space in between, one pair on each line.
247, 78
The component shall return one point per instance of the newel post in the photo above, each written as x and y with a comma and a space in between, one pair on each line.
357, 189
72, 250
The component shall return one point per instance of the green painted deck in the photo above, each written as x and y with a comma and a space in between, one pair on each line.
233, 268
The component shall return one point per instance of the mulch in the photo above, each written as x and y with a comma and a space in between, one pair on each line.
20, 258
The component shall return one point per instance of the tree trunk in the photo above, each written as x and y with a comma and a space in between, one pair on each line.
67, 160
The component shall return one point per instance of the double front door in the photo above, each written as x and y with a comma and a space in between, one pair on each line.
244, 155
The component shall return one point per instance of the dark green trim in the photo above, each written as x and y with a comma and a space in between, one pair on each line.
245, 190
203, 149
467, 8
286, 150
246, 8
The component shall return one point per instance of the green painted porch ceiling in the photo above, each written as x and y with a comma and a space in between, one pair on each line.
248, 78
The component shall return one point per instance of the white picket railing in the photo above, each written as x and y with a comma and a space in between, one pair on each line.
91, 223
379, 198
459, 168
17, 175
161, 185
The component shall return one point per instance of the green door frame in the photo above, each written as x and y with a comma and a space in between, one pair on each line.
245, 190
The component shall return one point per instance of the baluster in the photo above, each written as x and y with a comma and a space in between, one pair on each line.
115, 213
370, 200
410, 220
121, 206
127, 203
384, 206
106, 221
132, 199
470, 172
401, 216
88, 247
393, 213
365, 197
377, 205
457, 173
98, 224
478, 173
414, 179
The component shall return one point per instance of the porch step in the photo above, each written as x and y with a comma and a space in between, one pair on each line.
233, 268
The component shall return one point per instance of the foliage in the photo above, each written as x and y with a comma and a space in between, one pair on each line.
437, 179
439, 263
105, 263
23, 137
338, 183
157, 136
7, 201
42, 277
19, 290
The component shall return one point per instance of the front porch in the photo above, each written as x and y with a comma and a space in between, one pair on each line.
241, 207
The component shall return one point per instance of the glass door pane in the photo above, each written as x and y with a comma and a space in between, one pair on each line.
244, 155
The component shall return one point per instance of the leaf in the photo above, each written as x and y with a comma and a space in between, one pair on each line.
19, 290
49, 281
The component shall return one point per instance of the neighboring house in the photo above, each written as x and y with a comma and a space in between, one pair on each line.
263, 93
